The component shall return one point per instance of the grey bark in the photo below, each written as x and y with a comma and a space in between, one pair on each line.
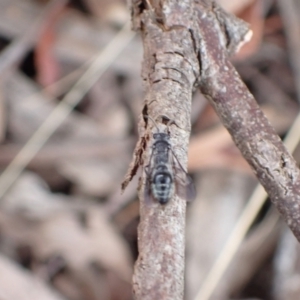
170, 69
274, 167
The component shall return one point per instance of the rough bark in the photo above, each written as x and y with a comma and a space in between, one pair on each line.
274, 167
187, 44
170, 69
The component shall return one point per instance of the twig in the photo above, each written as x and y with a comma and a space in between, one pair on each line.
259, 195
210, 35
274, 167
105, 58
170, 69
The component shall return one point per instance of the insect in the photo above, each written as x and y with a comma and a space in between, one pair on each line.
164, 173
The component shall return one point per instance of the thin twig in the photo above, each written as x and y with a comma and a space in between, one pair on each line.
105, 58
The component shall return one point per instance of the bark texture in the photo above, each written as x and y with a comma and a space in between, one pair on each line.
274, 167
187, 44
170, 70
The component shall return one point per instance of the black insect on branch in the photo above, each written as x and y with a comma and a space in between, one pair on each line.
187, 44
170, 70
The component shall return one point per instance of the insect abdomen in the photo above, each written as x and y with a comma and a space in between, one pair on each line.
162, 187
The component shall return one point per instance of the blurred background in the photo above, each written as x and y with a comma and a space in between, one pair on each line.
66, 232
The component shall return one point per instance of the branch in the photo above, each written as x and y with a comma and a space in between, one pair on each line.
187, 43
170, 70
254, 136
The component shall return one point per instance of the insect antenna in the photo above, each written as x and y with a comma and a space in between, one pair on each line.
149, 117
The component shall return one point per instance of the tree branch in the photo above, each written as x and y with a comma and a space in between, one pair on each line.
170, 69
274, 167
187, 43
